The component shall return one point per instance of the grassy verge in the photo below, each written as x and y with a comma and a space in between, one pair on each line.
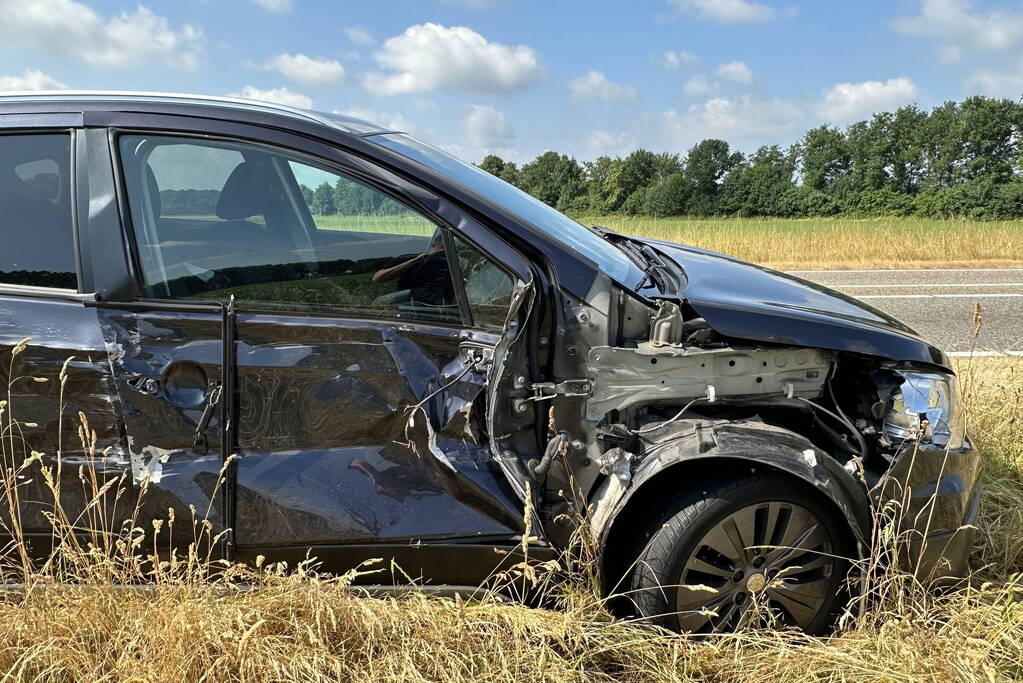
301, 626
839, 243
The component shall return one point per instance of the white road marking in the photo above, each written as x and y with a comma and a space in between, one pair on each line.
941, 296
936, 285
986, 354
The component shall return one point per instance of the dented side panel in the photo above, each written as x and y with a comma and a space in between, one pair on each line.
161, 409
60, 334
327, 451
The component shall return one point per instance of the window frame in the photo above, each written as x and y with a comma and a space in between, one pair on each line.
457, 267
304, 156
60, 127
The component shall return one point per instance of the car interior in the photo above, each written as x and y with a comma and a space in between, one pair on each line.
35, 198
262, 243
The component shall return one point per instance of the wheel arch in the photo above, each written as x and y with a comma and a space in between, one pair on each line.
684, 460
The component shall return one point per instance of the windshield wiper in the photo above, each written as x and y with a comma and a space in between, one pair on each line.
652, 274
657, 270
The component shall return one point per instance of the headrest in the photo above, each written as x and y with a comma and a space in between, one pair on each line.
246, 193
154, 192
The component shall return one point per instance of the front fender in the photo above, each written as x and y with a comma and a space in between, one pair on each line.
679, 446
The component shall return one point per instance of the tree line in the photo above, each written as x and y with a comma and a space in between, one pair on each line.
960, 159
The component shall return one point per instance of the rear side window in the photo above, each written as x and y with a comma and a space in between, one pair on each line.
36, 237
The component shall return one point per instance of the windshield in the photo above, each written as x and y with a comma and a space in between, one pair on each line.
606, 256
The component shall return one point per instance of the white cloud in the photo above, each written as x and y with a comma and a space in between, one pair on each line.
277, 95
426, 104
697, 86
742, 121
594, 85
274, 5
601, 143
673, 61
956, 24
487, 126
32, 79
726, 11
950, 54
71, 29
736, 71
998, 84
430, 57
307, 69
747, 121
359, 36
389, 120
845, 102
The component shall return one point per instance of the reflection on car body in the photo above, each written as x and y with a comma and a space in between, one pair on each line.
400, 355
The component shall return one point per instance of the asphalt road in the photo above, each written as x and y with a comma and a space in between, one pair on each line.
940, 303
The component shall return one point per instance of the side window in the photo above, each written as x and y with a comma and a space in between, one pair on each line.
487, 287
35, 211
213, 219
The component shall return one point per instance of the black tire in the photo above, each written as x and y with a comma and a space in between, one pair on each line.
702, 541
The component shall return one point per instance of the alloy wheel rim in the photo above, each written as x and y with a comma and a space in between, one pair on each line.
775, 553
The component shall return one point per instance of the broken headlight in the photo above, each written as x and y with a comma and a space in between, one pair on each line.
927, 406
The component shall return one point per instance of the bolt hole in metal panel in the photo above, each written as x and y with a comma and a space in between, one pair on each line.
624, 378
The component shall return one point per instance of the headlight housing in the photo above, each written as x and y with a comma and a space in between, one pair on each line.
930, 396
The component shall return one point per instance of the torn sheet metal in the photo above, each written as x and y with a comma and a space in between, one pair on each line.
509, 358
629, 377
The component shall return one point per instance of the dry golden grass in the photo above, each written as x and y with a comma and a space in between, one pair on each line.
299, 626
825, 243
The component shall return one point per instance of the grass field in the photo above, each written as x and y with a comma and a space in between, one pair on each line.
823, 243
301, 627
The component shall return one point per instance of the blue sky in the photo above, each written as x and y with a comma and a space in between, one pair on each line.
517, 77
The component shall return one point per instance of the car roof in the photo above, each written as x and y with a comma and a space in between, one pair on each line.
209, 104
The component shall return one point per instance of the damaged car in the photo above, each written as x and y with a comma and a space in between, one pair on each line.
329, 339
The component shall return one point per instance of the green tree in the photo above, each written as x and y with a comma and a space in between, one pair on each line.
758, 185
990, 133
323, 200
823, 157
555, 179
505, 170
604, 188
707, 164
666, 197
959, 159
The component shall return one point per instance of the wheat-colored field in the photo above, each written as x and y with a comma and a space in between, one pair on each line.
301, 626
823, 243
793, 244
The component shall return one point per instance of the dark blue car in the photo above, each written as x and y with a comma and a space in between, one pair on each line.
330, 339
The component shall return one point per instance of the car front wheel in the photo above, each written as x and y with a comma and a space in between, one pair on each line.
736, 548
